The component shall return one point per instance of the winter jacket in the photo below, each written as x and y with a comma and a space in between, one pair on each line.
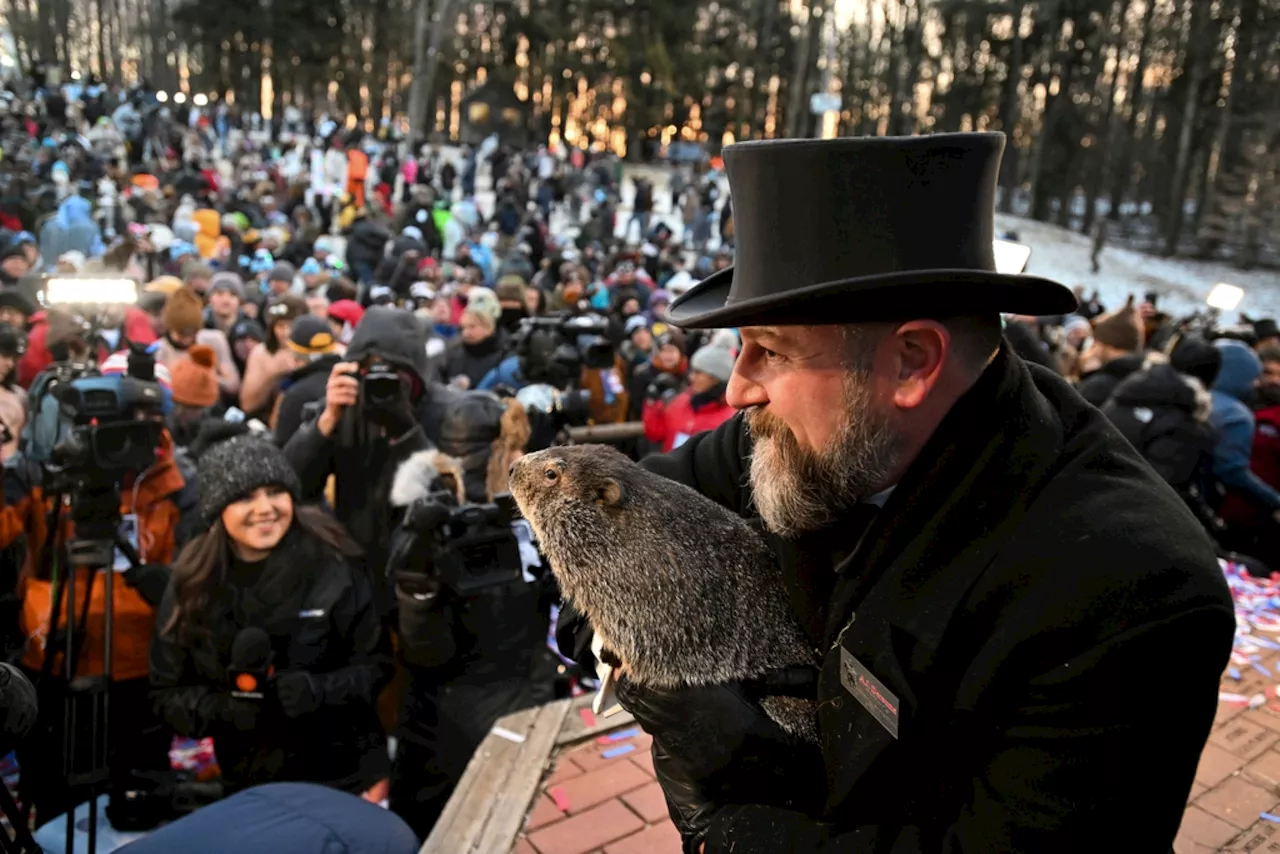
163, 498
363, 472
137, 328
71, 229
474, 361
304, 386
1165, 415
321, 617
210, 224
470, 660
366, 244
283, 817
1029, 581
1098, 386
671, 424
1234, 423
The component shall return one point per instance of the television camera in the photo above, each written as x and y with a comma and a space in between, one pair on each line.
553, 351
464, 548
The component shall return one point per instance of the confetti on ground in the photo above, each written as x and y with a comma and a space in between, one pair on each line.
618, 751
562, 800
1266, 816
588, 717
620, 735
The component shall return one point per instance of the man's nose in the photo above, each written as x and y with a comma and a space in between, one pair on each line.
742, 392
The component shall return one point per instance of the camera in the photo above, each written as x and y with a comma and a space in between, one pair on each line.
554, 349
379, 389
468, 548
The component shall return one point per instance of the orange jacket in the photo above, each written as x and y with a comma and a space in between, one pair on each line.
159, 498
357, 171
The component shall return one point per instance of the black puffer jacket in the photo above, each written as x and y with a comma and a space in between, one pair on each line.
319, 612
364, 472
474, 361
305, 385
1165, 415
1098, 386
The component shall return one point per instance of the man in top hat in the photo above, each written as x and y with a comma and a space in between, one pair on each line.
1014, 619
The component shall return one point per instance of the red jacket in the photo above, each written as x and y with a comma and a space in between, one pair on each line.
137, 328
672, 423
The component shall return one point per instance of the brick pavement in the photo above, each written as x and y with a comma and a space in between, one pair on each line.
596, 804
1239, 775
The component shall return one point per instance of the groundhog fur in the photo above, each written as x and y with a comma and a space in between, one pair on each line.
680, 589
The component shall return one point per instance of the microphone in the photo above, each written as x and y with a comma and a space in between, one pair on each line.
250, 663
18, 706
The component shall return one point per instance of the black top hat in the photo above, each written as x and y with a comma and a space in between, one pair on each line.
1265, 328
861, 229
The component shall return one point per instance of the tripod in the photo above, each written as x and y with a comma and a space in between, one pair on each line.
95, 513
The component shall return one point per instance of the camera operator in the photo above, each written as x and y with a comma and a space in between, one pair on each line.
151, 504
301, 706
379, 408
472, 619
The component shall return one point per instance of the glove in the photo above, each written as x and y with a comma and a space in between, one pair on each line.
150, 580
297, 693
714, 745
240, 714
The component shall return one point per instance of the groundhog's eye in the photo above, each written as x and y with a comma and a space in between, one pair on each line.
552, 475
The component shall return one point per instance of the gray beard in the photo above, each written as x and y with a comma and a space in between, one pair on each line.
798, 490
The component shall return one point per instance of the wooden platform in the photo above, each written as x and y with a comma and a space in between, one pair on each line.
555, 780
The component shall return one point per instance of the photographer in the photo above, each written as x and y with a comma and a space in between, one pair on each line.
379, 408
301, 708
670, 419
471, 619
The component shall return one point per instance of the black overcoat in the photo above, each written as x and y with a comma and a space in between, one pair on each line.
1034, 610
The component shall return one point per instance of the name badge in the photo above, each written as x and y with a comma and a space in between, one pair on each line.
869, 691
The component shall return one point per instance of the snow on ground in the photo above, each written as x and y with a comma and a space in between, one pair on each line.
1182, 284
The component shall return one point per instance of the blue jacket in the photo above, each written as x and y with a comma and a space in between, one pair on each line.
279, 818
1234, 423
72, 228
507, 373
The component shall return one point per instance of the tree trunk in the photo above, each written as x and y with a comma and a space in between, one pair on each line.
1104, 137
101, 38
902, 104
1195, 67
440, 23
1011, 113
797, 89
418, 122
1124, 162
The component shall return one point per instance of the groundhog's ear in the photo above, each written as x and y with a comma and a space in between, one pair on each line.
609, 493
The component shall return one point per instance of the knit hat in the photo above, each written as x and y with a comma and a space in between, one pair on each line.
1197, 358
484, 301
167, 285
510, 289
713, 361
635, 322
227, 281
1120, 329
283, 271
193, 378
311, 267
311, 336
185, 310
193, 269
670, 336
232, 470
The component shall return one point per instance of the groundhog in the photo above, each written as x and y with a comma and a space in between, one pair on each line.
681, 590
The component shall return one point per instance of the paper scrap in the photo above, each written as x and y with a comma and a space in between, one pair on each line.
618, 751
561, 799
588, 717
508, 734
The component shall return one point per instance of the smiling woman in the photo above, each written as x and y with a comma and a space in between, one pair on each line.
281, 575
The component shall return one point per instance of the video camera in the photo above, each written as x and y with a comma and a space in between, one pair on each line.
468, 548
554, 349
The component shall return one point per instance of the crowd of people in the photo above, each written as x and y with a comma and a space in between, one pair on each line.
344, 325
337, 321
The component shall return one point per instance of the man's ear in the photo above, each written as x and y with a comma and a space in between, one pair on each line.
609, 493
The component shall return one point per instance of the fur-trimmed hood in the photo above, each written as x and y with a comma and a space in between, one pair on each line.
417, 476
1159, 384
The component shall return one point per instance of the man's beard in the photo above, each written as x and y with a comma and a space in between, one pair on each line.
799, 490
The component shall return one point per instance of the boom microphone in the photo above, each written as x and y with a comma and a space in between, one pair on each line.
250, 663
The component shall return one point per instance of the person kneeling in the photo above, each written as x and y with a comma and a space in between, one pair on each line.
278, 577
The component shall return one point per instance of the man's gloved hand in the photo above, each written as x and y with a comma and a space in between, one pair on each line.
150, 580
714, 745
297, 693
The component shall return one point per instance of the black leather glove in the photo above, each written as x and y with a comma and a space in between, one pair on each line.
714, 746
297, 693
150, 580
